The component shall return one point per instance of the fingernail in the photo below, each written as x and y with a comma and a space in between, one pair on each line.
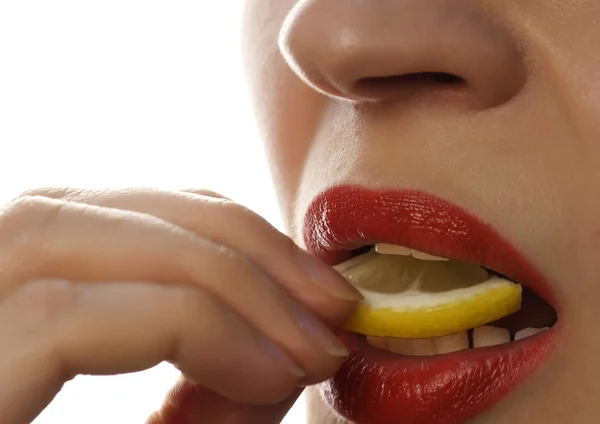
282, 357
326, 277
319, 332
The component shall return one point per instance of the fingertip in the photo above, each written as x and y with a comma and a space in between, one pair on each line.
327, 278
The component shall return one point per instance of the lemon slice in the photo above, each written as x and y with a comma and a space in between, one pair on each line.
409, 298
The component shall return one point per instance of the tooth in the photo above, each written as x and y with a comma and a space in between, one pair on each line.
426, 256
392, 249
528, 332
412, 347
452, 343
378, 342
490, 336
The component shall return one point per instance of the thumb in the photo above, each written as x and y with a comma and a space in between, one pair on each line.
189, 403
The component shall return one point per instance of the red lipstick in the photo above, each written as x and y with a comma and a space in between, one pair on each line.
379, 387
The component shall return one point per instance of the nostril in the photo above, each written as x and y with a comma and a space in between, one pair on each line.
391, 86
417, 78
436, 78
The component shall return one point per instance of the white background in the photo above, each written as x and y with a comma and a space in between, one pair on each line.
121, 93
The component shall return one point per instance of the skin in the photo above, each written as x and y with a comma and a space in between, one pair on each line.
518, 143
105, 282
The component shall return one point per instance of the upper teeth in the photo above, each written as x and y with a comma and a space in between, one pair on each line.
426, 256
482, 337
394, 249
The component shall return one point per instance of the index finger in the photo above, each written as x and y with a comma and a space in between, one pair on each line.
305, 278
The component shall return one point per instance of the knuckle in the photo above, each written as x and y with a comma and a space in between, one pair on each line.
25, 204
23, 244
27, 215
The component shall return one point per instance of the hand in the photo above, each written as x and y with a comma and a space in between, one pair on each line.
107, 282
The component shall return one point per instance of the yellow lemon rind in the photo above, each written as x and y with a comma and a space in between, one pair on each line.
447, 318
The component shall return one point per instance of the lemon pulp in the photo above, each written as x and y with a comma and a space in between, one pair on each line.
410, 298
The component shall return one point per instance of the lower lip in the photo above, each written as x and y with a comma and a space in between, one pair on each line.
379, 387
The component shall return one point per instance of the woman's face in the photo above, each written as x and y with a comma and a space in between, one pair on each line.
492, 105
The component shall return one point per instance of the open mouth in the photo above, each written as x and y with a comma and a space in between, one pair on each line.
445, 377
428, 276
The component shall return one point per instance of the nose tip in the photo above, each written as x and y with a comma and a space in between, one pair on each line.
367, 50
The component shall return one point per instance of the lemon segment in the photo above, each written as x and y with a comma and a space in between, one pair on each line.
454, 314
408, 298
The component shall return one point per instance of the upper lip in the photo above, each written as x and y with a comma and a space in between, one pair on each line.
346, 217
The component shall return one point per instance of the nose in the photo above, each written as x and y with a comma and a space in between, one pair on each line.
381, 50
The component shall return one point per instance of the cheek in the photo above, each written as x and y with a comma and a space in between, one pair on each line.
585, 250
288, 112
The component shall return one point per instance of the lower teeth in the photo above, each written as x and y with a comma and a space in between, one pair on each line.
482, 337
529, 332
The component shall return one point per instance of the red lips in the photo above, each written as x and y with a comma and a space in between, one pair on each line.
377, 387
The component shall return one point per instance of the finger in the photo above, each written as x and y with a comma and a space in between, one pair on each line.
190, 403
62, 329
47, 238
303, 277
184, 211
